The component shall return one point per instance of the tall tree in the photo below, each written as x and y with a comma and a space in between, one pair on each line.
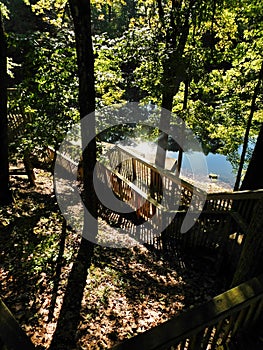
253, 179
173, 66
249, 180
5, 193
81, 14
65, 335
176, 24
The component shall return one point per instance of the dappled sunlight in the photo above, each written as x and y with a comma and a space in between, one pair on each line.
126, 291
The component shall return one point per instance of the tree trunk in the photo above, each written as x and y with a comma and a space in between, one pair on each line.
68, 322
253, 179
251, 260
5, 193
167, 103
180, 151
173, 75
174, 70
80, 10
246, 138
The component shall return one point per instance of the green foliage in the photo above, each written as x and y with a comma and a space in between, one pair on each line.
51, 11
133, 40
128, 67
110, 16
220, 97
49, 87
108, 75
4, 10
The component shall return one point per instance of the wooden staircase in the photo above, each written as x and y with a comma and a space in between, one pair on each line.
228, 321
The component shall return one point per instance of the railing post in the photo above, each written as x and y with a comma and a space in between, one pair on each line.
134, 169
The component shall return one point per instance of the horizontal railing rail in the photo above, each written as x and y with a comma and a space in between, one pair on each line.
222, 224
125, 174
17, 122
163, 185
207, 326
237, 195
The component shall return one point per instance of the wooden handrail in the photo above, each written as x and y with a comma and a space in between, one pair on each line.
11, 333
135, 188
246, 194
16, 123
165, 172
237, 195
206, 324
131, 189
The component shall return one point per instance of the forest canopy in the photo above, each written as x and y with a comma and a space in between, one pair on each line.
137, 44
61, 60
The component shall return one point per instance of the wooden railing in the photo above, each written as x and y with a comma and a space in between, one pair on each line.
12, 336
239, 207
241, 202
209, 326
161, 184
152, 192
17, 122
221, 226
178, 191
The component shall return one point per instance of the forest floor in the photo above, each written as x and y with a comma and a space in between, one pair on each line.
64, 302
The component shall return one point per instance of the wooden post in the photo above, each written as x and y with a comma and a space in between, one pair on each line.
134, 170
29, 169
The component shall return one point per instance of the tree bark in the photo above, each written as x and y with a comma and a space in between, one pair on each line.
68, 322
173, 72
253, 179
251, 260
81, 14
167, 103
246, 138
180, 151
5, 193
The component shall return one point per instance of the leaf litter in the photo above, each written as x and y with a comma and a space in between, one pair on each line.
126, 292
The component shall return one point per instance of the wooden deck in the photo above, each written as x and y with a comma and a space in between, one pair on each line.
162, 200
220, 227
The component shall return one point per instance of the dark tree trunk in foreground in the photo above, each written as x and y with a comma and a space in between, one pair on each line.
5, 193
253, 179
80, 10
251, 260
246, 139
69, 319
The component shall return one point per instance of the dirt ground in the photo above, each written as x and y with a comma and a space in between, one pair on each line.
65, 295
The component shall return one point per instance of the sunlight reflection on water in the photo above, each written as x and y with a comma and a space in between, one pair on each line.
216, 163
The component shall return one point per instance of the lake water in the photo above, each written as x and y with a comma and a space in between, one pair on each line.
216, 164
